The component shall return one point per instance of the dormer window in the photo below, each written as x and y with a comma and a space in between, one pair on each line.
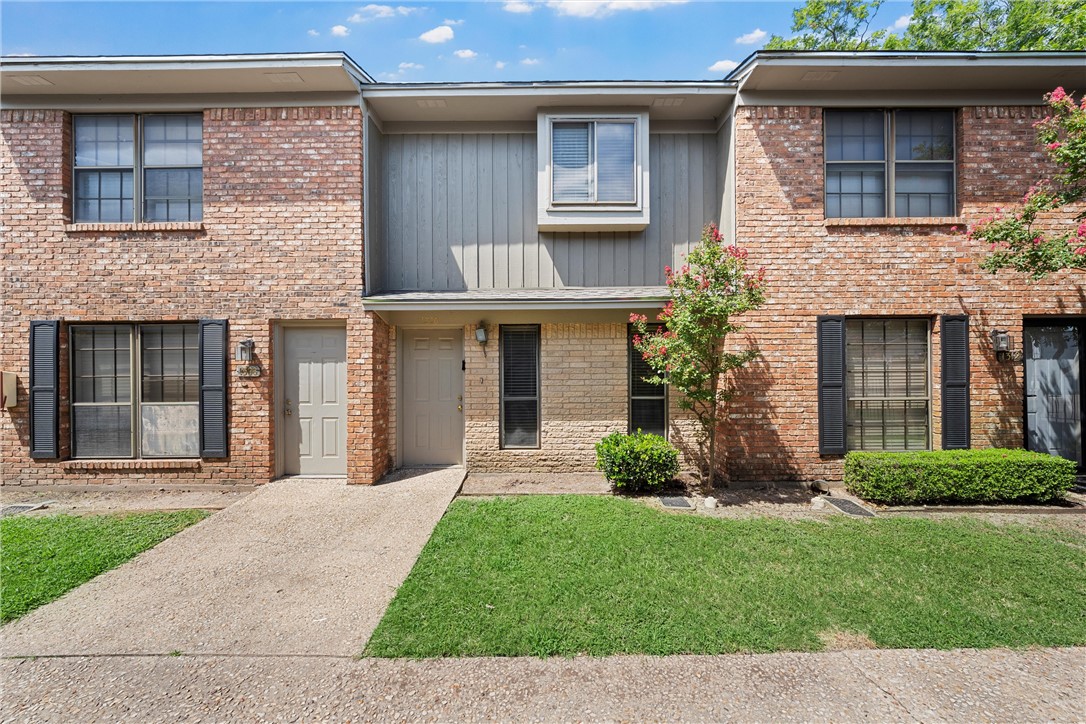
593, 171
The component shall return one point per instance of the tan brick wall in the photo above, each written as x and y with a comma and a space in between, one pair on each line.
281, 239
893, 268
584, 397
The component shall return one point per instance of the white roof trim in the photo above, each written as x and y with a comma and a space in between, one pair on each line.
30, 64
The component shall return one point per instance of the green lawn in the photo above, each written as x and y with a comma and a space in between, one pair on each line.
568, 575
42, 558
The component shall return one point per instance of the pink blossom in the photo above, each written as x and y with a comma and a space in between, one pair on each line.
1036, 240
1081, 251
1057, 95
1081, 230
663, 349
1054, 145
954, 230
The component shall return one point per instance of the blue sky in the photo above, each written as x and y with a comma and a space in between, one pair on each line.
431, 41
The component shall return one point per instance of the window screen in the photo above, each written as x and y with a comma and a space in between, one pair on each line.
104, 168
519, 386
887, 384
648, 402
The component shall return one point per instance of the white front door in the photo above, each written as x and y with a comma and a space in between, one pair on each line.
433, 392
314, 407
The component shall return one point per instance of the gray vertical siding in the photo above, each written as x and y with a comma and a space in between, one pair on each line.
458, 211
376, 262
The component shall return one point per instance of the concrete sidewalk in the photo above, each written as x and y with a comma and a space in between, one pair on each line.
883, 686
298, 567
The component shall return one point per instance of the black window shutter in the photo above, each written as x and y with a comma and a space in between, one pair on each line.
955, 340
831, 385
214, 372
45, 389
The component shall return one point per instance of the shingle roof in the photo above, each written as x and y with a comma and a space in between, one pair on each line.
523, 298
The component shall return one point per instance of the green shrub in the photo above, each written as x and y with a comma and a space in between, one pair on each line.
637, 462
958, 476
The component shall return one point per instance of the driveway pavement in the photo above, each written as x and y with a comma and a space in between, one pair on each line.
298, 567
879, 686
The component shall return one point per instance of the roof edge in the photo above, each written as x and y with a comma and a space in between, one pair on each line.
46, 63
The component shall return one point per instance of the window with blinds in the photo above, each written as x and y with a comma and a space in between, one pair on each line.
887, 384
648, 402
889, 163
138, 168
594, 162
134, 390
519, 423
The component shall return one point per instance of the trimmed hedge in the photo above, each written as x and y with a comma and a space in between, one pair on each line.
637, 462
992, 475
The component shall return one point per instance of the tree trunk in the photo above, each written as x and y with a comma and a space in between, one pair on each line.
711, 477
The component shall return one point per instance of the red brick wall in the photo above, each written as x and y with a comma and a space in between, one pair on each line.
911, 267
281, 239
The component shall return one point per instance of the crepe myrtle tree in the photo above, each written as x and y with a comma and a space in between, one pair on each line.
1011, 236
688, 352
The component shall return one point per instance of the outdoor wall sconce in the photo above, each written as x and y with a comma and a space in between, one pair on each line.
480, 336
244, 351
1001, 344
244, 355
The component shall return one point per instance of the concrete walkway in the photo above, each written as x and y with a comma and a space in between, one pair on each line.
298, 567
882, 686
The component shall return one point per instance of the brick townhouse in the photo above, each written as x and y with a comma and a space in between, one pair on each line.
234, 268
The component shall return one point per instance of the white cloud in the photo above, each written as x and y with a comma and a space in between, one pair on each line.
411, 66
440, 34
340, 31
603, 8
531, 61
312, 33
376, 12
500, 64
755, 36
903, 22
465, 54
723, 66
517, 6
452, 22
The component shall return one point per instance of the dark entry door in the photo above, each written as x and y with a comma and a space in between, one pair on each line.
1054, 386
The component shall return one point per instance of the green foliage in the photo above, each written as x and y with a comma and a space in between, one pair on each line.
1012, 239
637, 462
45, 557
569, 575
712, 288
1004, 25
958, 476
832, 25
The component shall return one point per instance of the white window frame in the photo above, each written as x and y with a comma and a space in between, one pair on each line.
593, 216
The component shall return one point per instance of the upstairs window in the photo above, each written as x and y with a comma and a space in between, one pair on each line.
889, 163
132, 168
593, 171
594, 162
